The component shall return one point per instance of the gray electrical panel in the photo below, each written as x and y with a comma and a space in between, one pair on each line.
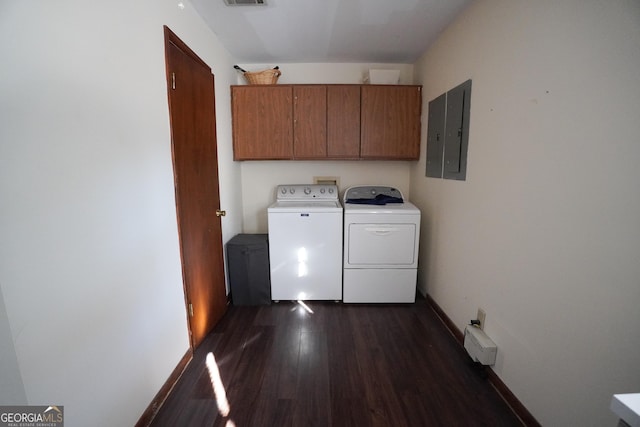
435, 136
448, 134
457, 132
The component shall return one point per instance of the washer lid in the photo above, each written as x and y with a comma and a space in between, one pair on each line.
306, 206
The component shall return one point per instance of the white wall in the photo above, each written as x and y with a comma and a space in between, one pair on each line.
89, 259
12, 390
545, 232
260, 178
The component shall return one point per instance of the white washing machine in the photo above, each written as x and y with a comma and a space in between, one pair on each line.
381, 240
305, 243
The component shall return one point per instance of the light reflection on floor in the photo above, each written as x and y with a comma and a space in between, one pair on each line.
218, 388
301, 308
305, 306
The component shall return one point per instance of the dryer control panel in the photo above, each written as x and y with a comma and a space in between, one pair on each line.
372, 194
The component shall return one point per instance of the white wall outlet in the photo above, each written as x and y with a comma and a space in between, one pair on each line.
481, 317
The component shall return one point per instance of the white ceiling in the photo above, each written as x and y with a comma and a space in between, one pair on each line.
302, 31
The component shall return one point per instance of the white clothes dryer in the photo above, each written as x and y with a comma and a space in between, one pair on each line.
381, 241
305, 243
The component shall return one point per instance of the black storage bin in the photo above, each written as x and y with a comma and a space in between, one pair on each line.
248, 267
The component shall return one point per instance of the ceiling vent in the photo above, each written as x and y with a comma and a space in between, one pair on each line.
246, 2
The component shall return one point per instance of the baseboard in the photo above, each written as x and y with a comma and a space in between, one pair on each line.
453, 329
516, 406
149, 414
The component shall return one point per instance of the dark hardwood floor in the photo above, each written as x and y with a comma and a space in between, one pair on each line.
342, 365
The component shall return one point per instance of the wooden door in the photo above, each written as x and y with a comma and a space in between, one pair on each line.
195, 167
343, 121
310, 122
390, 122
262, 122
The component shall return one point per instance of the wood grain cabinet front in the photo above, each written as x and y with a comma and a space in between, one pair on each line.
390, 122
326, 122
343, 121
303, 122
262, 122
310, 122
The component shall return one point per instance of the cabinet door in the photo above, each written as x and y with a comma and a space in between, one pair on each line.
262, 122
435, 136
310, 122
343, 121
390, 122
457, 132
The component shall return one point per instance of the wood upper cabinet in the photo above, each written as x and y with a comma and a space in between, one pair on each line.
262, 122
326, 121
343, 121
272, 122
390, 122
310, 122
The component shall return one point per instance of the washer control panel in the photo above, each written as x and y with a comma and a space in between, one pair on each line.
307, 192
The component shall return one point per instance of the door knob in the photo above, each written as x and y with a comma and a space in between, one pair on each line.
220, 213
